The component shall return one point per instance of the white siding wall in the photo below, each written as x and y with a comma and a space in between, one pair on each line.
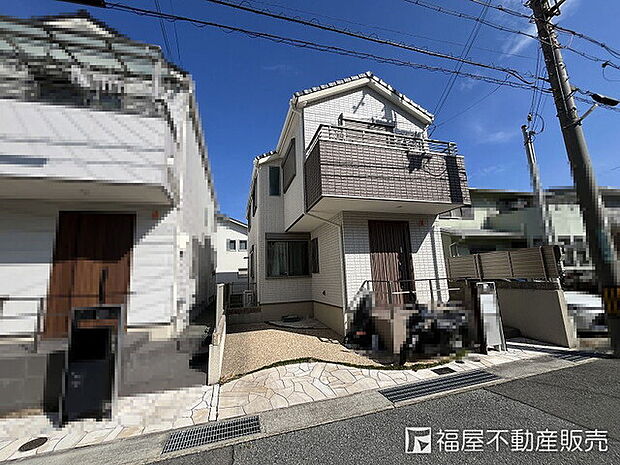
27, 237
164, 282
427, 253
195, 225
364, 103
54, 141
294, 199
26, 248
151, 285
327, 284
271, 220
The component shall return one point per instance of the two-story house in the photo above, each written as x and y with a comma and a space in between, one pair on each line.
349, 197
105, 187
503, 220
231, 250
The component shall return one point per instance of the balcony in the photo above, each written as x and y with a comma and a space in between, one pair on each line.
350, 169
57, 152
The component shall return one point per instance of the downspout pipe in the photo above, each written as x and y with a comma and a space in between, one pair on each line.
342, 262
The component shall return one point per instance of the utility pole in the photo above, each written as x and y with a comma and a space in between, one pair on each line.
597, 230
541, 203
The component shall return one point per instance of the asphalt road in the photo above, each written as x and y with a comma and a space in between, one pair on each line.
584, 397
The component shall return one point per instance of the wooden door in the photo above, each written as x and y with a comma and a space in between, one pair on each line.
91, 265
390, 261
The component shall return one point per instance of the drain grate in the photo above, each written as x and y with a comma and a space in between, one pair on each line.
570, 355
434, 386
574, 356
208, 434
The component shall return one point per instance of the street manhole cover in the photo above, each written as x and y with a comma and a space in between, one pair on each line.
443, 370
38, 442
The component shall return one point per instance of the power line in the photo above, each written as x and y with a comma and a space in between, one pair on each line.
605, 76
465, 110
315, 46
502, 8
385, 29
176, 35
466, 49
335, 50
565, 30
516, 74
163, 30
499, 27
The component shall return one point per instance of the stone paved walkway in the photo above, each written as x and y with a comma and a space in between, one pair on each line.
264, 390
136, 415
293, 384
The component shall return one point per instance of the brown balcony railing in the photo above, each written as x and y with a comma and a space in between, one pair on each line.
358, 163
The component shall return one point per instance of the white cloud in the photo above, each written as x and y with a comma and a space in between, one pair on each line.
489, 171
467, 84
488, 135
278, 68
516, 43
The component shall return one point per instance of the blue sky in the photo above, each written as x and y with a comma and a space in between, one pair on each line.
244, 84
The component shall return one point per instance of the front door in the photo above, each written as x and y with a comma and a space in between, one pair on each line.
91, 265
390, 261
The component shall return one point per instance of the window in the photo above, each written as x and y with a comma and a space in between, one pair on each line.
243, 245
314, 255
253, 199
251, 264
287, 258
231, 245
465, 213
274, 180
289, 166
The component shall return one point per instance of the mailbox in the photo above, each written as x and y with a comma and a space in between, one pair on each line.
92, 362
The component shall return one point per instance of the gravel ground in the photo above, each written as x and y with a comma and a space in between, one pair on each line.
250, 347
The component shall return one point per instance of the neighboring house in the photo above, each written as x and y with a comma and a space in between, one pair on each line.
231, 250
106, 191
502, 220
349, 195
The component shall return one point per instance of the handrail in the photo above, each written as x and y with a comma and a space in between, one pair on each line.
41, 310
406, 140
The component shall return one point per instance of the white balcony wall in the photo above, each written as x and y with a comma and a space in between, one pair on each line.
79, 144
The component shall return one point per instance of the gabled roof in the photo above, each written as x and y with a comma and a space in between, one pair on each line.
222, 217
360, 80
